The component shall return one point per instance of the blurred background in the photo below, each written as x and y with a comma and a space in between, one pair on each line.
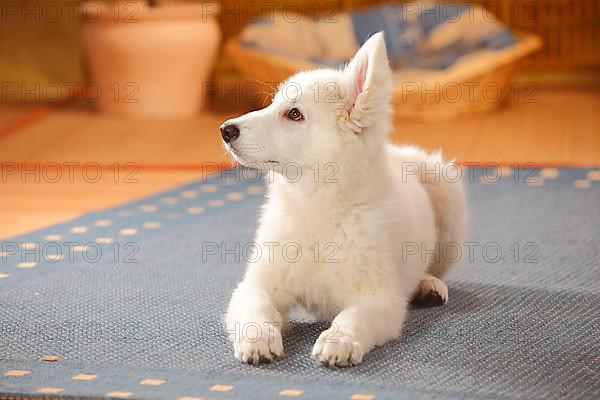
105, 102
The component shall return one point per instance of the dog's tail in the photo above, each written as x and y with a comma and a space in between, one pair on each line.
444, 185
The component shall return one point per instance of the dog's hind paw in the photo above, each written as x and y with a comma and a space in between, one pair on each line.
431, 292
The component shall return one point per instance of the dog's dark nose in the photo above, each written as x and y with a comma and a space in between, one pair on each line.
229, 132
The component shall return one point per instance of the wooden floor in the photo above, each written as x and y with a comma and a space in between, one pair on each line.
561, 128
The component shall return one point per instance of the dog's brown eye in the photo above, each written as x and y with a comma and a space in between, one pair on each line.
295, 115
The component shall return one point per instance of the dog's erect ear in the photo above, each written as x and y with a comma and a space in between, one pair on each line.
368, 80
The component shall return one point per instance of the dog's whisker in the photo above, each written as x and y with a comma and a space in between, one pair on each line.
270, 94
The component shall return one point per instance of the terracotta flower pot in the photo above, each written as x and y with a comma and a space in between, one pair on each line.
149, 61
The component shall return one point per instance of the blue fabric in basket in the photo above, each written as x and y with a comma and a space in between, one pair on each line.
425, 35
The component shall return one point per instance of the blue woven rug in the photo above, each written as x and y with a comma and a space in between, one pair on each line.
128, 302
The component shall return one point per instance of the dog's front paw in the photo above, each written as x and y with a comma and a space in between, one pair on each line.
262, 348
336, 349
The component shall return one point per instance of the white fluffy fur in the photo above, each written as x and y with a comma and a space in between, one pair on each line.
358, 278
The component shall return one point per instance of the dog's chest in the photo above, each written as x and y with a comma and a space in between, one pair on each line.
326, 254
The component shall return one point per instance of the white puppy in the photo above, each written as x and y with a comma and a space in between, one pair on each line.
353, 228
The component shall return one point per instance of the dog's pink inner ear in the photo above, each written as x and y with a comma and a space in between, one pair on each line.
358, 84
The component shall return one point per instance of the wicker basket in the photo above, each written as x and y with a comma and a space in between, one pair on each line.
569, 28
476, 83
